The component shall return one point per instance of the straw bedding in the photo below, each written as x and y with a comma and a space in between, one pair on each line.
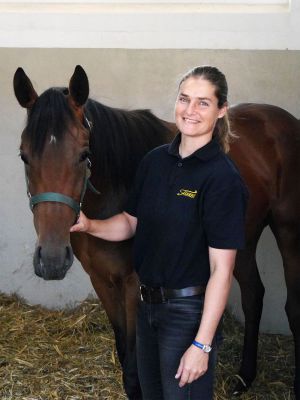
70, 355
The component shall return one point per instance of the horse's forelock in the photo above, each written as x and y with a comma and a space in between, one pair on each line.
49, 118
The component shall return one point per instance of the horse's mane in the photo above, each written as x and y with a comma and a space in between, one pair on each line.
119, 139
50, 114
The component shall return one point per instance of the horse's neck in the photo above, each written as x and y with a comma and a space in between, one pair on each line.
126, 137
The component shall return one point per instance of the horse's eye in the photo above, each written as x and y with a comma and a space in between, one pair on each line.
23, 158
84, 155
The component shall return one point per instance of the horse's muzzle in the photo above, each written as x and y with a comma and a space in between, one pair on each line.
52, 264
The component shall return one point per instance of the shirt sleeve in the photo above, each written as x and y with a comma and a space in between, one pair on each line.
224, 210
131, 204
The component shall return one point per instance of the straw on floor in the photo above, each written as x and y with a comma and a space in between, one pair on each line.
70, 355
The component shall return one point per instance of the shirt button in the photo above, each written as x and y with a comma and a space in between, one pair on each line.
179, 164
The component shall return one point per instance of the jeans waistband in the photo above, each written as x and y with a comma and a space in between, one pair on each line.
156, 295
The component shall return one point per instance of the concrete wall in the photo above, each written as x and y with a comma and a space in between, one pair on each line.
127, 79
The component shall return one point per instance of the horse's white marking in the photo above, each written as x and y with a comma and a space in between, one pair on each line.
52, 139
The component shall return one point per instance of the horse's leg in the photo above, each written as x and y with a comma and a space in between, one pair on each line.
131, 381
119, 299
110, 271
252, 293
288, 239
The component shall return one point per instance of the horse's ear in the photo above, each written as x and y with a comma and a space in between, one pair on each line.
24, 91
79, 86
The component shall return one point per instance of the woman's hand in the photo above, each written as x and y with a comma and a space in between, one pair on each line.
193, 364
116, 228
82, 224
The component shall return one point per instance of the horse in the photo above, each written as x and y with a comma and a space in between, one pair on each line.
74, 147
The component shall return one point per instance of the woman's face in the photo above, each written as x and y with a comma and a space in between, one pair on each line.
196, 109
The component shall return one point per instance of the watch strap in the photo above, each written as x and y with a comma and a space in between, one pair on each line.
205, 347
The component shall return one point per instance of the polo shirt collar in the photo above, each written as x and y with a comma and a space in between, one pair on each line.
205, 153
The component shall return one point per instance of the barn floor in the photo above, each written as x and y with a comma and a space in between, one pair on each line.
70, 355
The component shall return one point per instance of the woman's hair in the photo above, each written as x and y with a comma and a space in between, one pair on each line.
218, 80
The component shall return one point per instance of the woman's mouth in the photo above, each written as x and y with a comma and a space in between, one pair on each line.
191, 120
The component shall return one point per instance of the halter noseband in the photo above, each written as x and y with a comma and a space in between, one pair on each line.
54, 197
59, 197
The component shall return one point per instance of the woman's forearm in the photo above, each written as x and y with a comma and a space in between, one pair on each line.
119, 227
215, 302
217, 292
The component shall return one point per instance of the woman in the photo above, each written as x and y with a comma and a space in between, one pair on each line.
186, 211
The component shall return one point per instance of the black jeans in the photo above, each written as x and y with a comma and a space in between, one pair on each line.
164, 333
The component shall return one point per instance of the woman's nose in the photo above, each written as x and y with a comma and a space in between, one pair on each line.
191, 107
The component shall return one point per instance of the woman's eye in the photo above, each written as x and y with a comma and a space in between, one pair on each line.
183, 99
204, 104
84, 156
23, 158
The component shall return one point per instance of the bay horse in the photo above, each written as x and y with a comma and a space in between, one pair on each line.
69, 137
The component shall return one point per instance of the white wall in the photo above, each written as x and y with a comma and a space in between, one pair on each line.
193, 24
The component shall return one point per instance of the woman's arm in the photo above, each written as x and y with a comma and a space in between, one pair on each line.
194, 362
119, 227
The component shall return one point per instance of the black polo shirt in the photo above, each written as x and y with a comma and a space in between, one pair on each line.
183, 206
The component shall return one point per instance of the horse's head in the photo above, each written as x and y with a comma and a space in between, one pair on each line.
54, 148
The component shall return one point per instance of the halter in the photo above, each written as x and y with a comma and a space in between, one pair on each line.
59, 197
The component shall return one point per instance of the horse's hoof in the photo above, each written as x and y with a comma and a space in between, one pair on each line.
240, 388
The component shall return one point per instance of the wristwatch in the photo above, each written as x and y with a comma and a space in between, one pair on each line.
205, 347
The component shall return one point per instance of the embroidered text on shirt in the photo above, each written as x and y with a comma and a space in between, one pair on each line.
188, 193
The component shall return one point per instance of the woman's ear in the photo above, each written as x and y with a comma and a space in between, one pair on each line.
223, 110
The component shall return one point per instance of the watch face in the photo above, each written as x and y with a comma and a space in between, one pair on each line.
206, 348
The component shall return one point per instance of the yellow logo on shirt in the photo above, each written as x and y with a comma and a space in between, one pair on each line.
187, 193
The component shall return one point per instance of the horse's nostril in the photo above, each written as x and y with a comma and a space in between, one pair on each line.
39, 256
38, 251
69, 256
37, 262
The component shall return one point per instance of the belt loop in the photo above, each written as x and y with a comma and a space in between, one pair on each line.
162, 292
141, 292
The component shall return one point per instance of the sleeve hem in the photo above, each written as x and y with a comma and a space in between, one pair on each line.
238, 245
